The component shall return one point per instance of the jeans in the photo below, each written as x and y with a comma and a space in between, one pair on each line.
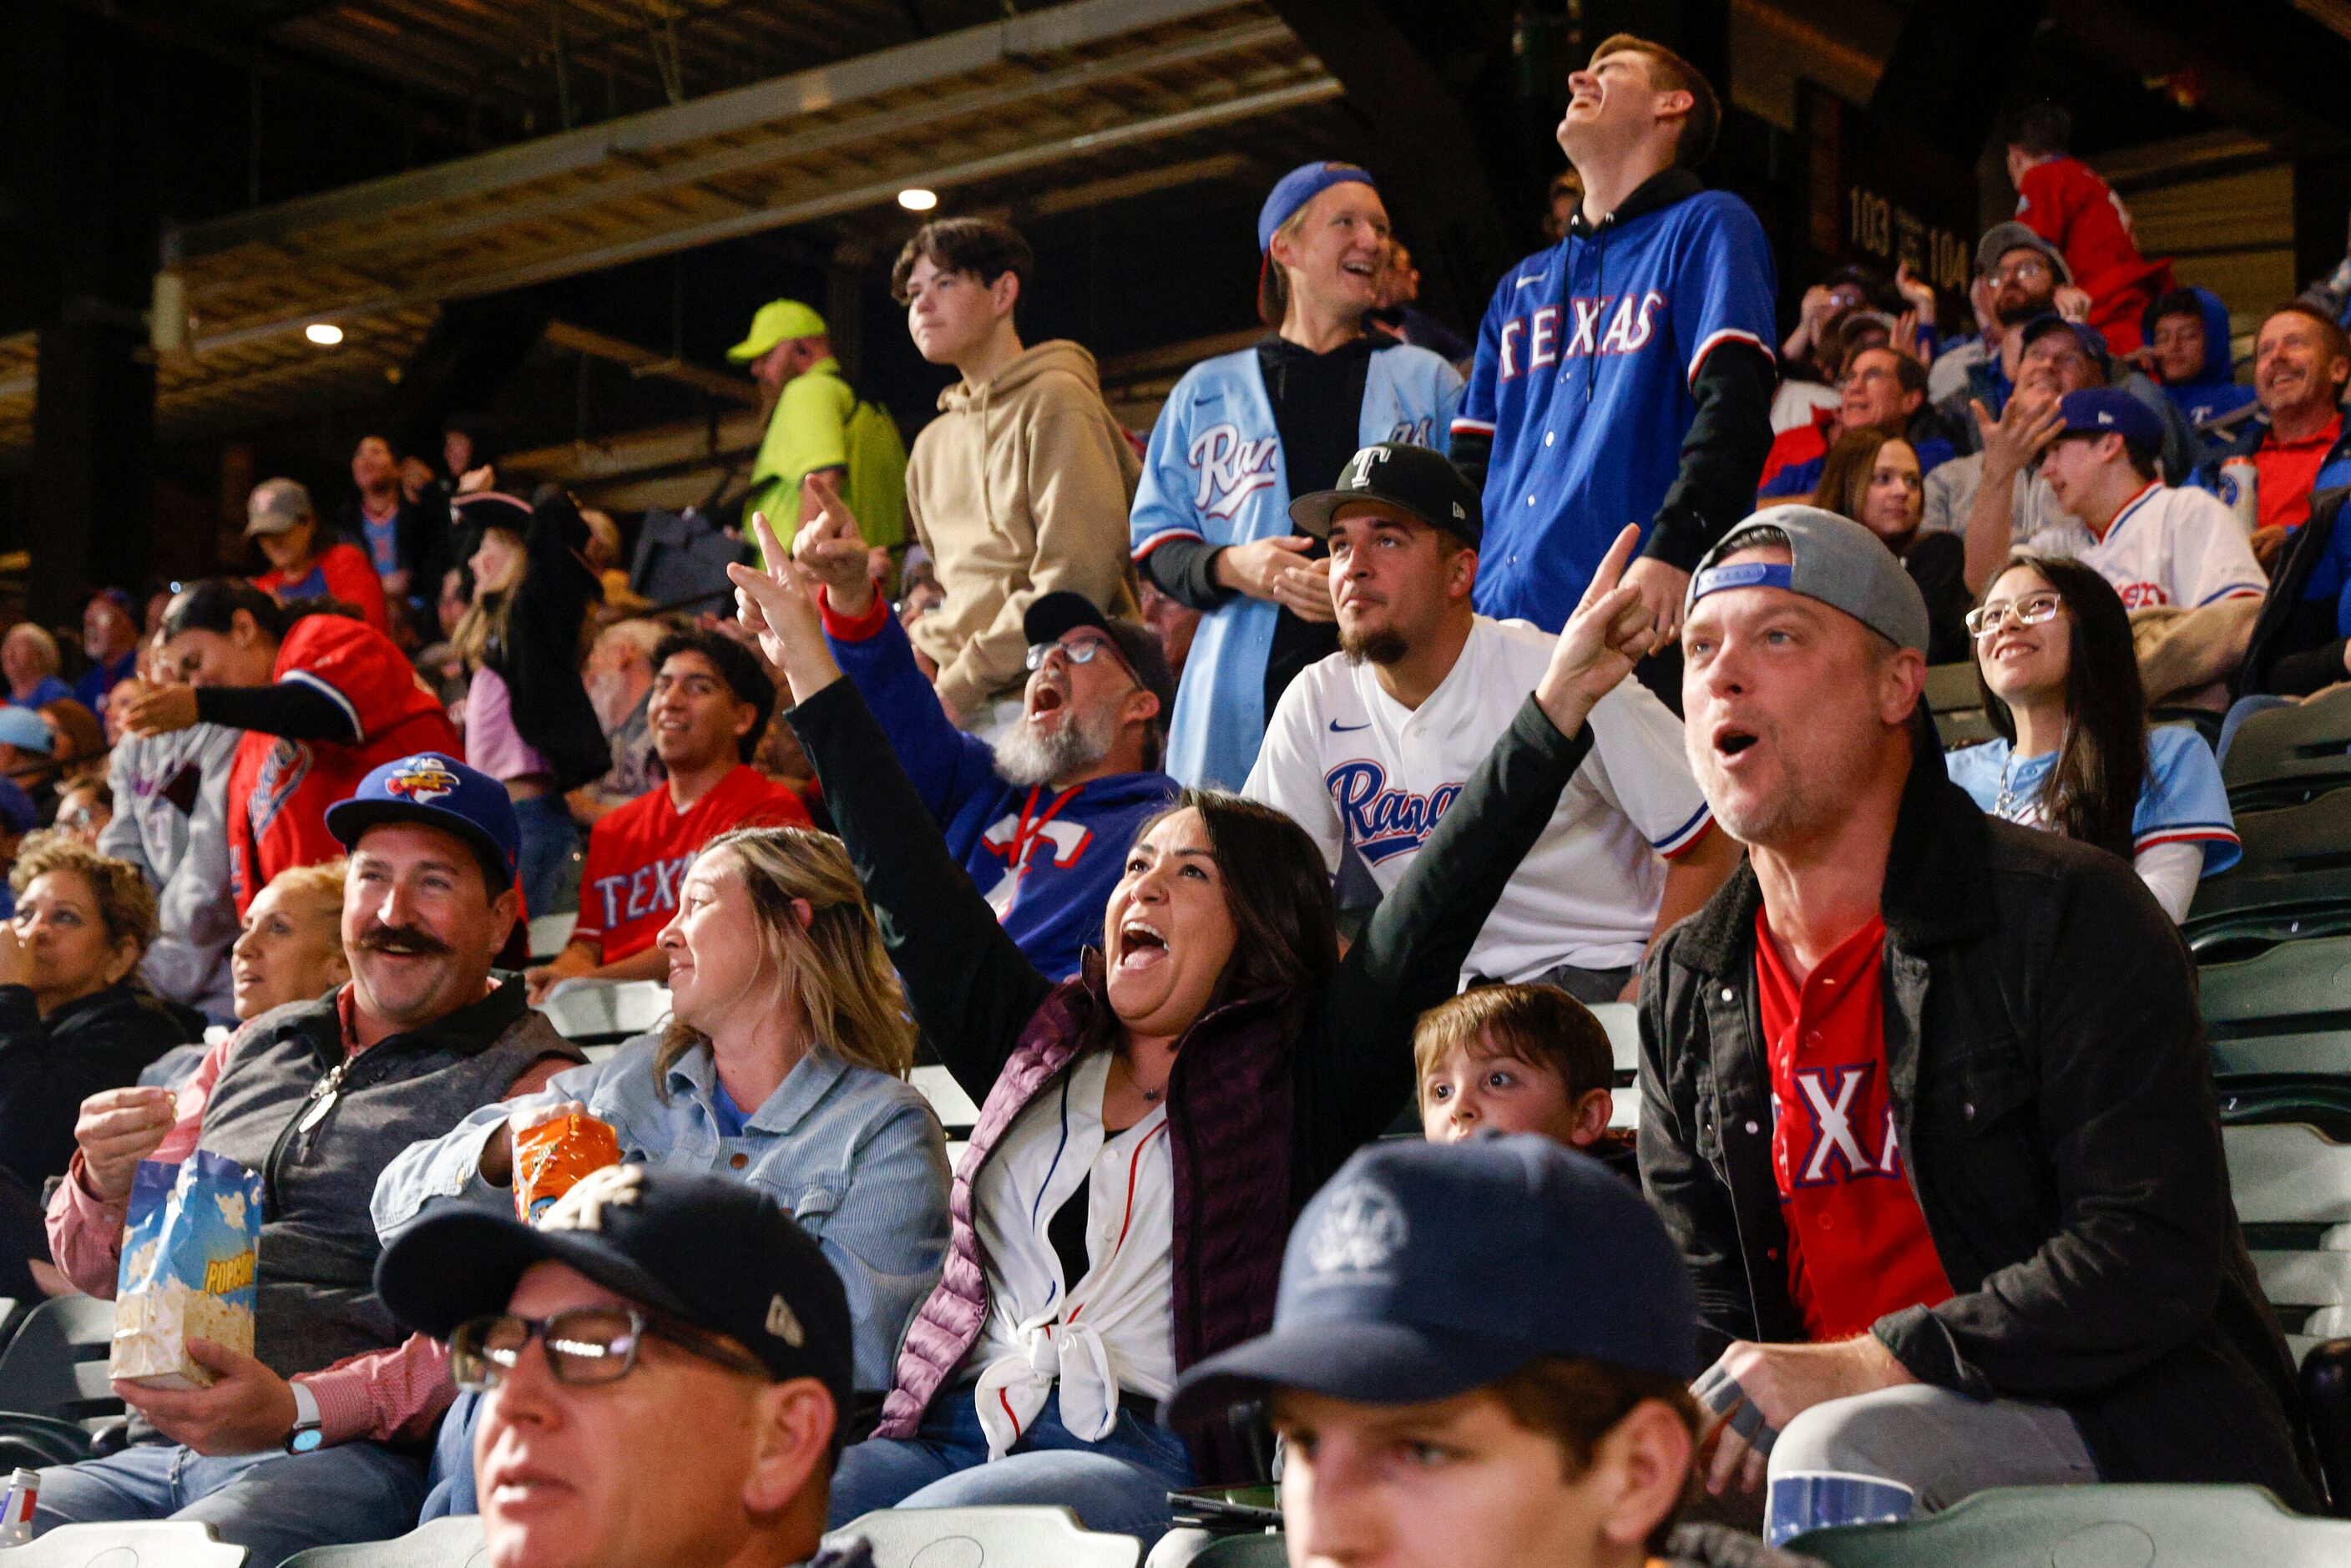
1119, 1485
550, 841
273, 1503
1943, 1446
449, 1480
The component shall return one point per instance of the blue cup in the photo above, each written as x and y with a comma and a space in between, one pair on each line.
1825, 1499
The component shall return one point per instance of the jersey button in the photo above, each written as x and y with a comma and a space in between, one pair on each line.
738, 1161
1531, 500
1551, 438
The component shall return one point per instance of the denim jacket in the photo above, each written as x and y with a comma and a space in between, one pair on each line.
853, 1155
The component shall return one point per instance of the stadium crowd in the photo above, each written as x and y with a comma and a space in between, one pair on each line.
1249, 816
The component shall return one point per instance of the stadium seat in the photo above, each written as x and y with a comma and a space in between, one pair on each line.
2285, 1010
2141, 1526
606, 1012
548, 933
2292, 1183
55, 1364
953, 1107
160, 1543
2293, 885
452, 1542
2285, 756
1623, 1022
1266, 1551
987, 1538
1957, 703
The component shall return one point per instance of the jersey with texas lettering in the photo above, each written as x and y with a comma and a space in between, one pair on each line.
638, 855
1582, 380
1215, 472
2179, 547
1359, 769
279, 790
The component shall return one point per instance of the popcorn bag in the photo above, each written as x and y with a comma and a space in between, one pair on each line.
189, 1255
550, 1158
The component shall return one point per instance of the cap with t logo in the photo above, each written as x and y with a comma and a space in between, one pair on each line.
1418, 480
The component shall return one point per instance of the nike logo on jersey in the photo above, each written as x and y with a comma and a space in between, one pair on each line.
1230, 469
1338, 728
1533, 341
1383, 822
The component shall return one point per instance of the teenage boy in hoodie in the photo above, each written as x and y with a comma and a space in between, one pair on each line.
1021, 486
2063, 201
1042, 819
2187, 334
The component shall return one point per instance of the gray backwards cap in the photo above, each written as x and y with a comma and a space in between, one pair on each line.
1831, 558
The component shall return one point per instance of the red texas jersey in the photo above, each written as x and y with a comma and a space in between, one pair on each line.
638, 855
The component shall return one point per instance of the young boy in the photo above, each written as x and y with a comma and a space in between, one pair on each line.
1478, 1360
1519, 1058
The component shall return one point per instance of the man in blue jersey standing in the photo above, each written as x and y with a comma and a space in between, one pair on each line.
1624, 375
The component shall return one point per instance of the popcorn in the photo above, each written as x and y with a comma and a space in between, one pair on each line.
189, 1255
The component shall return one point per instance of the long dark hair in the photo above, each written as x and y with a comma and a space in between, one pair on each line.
1846, 473
2092, 794
211, 605
1277, 888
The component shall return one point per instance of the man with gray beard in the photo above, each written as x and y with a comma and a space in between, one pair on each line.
1044, 818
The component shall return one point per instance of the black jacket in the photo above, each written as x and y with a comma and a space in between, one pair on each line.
2052, 1092
539, 658
49, 1066
2295, 649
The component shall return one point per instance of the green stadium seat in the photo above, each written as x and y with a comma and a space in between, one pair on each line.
55, 1364
2293, 883
453, 1543
2285, 1010
2289, 755
161, 1543
1011, 1537
2094, 1526
1957, 703
1266, 1551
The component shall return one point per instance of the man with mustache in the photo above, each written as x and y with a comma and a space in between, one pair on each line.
1042, 819
318, 1436
1925, 1098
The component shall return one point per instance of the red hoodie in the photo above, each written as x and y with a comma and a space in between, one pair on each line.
2068, 205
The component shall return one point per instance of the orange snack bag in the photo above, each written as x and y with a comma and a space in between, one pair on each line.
550, 1157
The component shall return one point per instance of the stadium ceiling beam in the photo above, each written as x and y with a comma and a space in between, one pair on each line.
2276, 71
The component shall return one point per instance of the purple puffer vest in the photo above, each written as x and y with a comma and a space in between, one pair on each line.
1229, 1109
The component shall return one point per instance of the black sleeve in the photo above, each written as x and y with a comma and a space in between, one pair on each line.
289, 708
2310, 671
1185, 570
1356, 1054
1471, 451
1723, 455
971, 986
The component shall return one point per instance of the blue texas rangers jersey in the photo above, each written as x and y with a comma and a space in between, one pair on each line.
1585, 365
1214, 472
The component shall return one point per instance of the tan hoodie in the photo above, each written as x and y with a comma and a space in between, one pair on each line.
1019, 488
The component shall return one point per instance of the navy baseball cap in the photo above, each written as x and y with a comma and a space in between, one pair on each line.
440, 792
2111, 411
1417, 479
715, 1252
1425, 1271
2093, 341
1299, 186
18, 813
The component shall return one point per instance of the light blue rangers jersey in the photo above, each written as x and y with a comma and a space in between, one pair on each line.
1582, 379
1214, 472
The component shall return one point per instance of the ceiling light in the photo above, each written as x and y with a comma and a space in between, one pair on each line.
326, 334
915, 199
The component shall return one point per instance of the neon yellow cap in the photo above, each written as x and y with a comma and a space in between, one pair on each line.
778, 321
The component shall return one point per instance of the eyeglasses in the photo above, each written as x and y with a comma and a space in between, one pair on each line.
1079, 652
585, 1346
2031, 266
2032, 609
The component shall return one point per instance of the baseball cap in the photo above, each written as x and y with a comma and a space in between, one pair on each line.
1050, 615
278, 505
2093, 341
1832, 560
22, 728
715, 1252
18, 814
2111, 411
440, 792
2001, 238
1424, 1271
778, 321
1417, 479
1299, 186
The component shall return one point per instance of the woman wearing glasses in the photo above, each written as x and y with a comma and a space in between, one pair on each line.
2076, 756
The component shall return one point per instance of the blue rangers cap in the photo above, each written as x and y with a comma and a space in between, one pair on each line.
440, 792
1299, 186
1425, 1271
2111, 411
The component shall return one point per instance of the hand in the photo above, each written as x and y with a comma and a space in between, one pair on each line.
160, 710
1918, 291
15, 963
395, 584
2073, 304
1632, 990
1662, 587
1904, 340
541, 978
497, 1154
1304, 589
475, 479
1256, 568
249, 1409
2026, 428
777, 607
1783, 1381
1610, 630
2269, 545
116, 1130
832, 550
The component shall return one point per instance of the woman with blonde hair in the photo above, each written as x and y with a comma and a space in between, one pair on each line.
28, 658
784, 1065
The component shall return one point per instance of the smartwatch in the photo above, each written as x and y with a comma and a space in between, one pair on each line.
307, 1432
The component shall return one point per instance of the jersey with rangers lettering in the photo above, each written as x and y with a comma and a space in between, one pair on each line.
1045, 859
1584, 367
1215, 472
2179, 547
279, 790
638, 855
1359, 769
